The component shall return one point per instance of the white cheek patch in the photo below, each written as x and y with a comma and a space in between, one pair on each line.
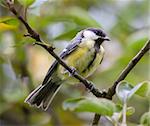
90, 35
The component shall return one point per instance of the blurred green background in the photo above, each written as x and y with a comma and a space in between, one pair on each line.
23, 66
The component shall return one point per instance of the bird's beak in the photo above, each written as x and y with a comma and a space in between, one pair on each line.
106, 38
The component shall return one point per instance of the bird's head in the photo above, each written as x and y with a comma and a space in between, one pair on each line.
95, 34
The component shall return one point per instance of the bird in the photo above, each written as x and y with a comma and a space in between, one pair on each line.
84, 54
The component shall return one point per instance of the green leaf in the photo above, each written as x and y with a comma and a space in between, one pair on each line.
78, 16
118, 114
7, 23
26, 3
67, 35
144, 89
145, 119
95, 105
136, 40
137, 44
21, 43
81, 17
130, 111
125, 90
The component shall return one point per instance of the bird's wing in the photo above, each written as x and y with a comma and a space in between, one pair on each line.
69, 49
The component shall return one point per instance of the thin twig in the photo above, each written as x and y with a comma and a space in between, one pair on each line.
128, 68
112, 90
31, 33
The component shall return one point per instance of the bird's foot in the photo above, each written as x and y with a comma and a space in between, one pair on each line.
103, 92
73, 70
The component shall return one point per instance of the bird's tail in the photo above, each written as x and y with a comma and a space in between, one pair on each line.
42, 96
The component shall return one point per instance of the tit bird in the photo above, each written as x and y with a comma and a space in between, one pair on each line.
84, 54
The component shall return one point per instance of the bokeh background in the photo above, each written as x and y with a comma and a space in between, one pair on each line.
23, 66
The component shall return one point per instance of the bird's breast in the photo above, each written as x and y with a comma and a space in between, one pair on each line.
85, 59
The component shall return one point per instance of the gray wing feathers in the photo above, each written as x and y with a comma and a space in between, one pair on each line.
70, 48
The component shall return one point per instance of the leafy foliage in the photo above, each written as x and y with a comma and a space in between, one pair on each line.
26, 3
99, 106
125, 91
23, 66
8, 23
145, 118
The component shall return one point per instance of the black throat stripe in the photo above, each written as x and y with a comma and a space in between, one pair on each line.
91, 62
97, 49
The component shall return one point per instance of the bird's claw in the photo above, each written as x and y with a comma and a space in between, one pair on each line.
73, 70
103, 92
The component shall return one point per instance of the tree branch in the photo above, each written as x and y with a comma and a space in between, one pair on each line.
112, 90
31, 33
128, 68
